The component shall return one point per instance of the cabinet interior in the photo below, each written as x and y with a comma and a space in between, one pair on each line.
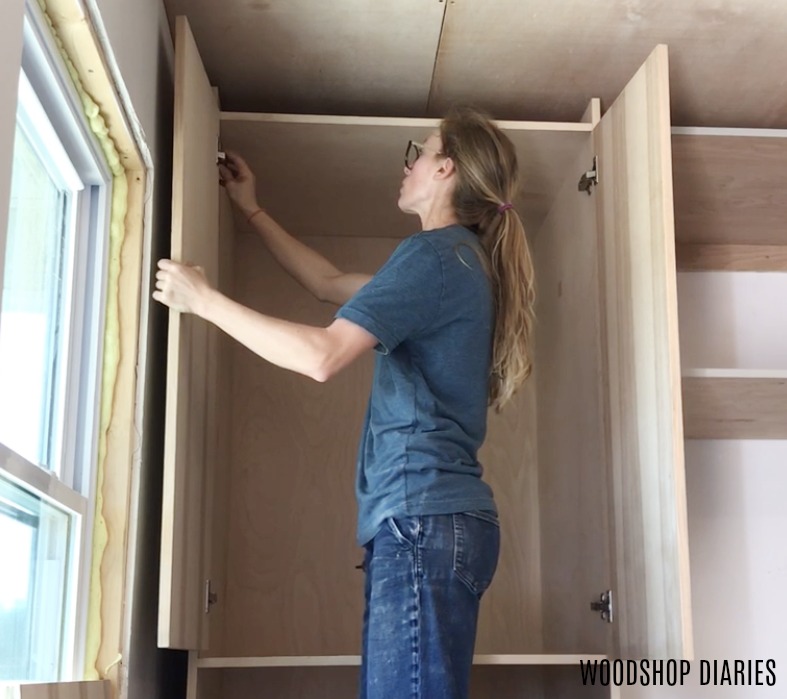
283, 511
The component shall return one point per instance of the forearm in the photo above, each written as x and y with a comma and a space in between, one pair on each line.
310, 269
300, 348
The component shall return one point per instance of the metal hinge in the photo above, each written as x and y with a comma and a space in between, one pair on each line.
210, 597
604, 606
590, 178
221, 156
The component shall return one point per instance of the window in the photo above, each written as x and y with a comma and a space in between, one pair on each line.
51, 331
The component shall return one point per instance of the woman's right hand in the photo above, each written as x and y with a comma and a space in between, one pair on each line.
239, 181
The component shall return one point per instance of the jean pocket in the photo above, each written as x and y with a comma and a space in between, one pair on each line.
405, 530
476, 549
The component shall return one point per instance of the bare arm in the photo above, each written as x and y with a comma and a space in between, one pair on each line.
316, 352
310, 269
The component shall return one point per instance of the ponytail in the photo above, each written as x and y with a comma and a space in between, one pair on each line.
487, 181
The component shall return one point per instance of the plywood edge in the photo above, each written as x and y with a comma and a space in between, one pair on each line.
355, 660
734, 373
731, 258
722, 131
592, 114
416, 123
747, 407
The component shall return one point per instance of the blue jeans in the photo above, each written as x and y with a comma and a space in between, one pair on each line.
424, 579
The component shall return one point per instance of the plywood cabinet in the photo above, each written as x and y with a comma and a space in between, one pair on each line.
259, 567
732, 238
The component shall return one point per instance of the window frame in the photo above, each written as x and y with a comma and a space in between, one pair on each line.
71, 486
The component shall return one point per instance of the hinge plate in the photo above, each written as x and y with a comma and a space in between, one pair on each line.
210, 597
589, 179
604, 606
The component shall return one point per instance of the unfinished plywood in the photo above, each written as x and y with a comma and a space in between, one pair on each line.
735, 407
516, 71
572, 479
190, 443
361, 57
355, 660
341, 176
642, 368
352, 57
693, 257
218, 502
342, 683
511, 618
729, 188
292, 583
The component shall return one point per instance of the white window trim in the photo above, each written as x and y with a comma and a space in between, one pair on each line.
46, 485
46, 90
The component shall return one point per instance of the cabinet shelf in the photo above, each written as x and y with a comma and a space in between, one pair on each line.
353, 660
735, 404
698, 257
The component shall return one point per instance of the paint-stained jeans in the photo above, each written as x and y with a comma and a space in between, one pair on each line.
424, 579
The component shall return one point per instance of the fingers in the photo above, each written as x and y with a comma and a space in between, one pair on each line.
238, 164
166, 265
227, 174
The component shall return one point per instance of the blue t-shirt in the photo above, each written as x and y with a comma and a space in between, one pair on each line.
432, 311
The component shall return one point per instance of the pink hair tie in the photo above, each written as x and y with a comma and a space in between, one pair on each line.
504, 207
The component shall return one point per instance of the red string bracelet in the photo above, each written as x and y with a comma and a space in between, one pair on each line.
248, 218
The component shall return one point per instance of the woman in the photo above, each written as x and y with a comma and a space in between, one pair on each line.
450, 317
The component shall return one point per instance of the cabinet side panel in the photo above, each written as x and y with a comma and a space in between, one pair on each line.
293, 587
639, 291
189, 444
510, 620
575, 565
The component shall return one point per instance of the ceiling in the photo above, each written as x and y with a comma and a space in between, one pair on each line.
518, 59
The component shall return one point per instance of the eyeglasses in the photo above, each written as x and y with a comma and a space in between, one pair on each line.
413, 152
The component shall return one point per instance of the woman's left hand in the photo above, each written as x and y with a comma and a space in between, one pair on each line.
182, 287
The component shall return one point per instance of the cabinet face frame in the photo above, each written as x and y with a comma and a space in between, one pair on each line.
185, 538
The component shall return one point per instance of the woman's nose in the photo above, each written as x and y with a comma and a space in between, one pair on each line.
406, 170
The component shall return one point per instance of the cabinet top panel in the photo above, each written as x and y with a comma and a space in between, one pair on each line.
341, 175
537, 60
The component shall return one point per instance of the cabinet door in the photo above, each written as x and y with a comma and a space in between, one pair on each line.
190, 440
643, 414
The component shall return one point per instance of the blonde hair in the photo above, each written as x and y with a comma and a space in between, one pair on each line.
487, 178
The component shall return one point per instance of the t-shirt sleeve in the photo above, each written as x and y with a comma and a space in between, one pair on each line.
403, 298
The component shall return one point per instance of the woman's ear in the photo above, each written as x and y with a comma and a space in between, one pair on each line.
446, 169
